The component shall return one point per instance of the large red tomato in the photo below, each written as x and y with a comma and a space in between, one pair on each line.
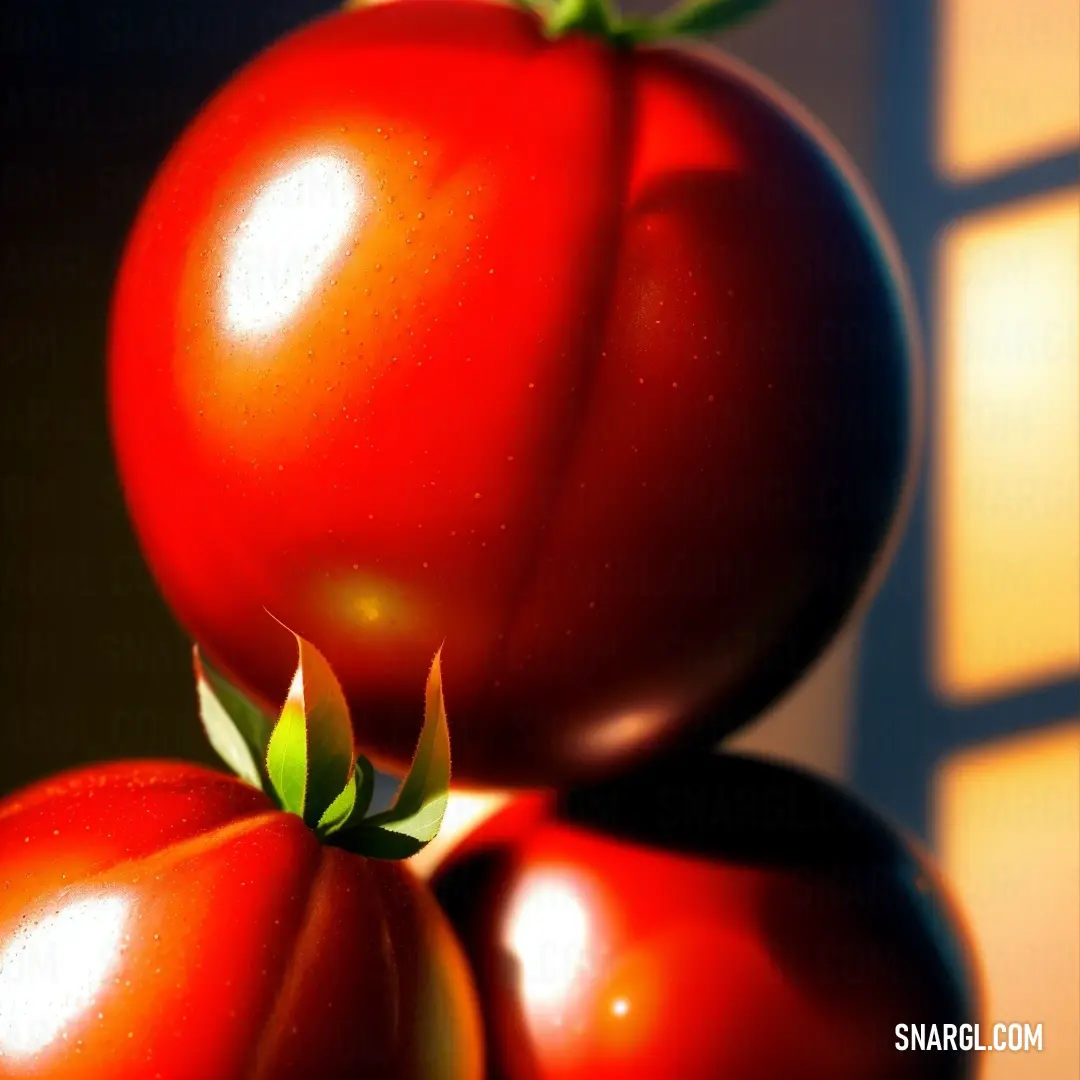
696, 921
161, 920
587, 360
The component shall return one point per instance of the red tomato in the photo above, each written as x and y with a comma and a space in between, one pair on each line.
161, 920
588, 361
724, 919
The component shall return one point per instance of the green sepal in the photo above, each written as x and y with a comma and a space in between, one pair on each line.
310, 756
286, 758
340, 810
695, 18
587, 16
365, 790
374, 842
417, 812
235, 726
349, 808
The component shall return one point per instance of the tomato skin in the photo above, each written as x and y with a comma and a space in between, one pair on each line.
721, 918
601, 377
199, 932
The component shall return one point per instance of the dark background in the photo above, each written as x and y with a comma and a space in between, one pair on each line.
93, 94
91, 97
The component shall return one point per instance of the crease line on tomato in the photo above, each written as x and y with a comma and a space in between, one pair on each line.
624, 122
389, 951
257, 1062
450, 164
178, 850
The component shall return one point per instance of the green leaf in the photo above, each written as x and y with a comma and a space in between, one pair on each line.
349, 808
237, 729
340, 810
330, 751
286, 753
365, 789
374, 842
417, 812
693, 18
588, 16
310, 756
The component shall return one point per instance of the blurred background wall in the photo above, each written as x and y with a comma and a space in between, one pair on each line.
953, 707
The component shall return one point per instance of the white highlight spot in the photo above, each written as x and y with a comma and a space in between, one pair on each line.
52, 970
285, 242
620, 1007
549, 932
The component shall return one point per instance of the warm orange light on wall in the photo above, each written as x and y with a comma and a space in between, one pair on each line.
1007, 824
1006, 582
1008, 83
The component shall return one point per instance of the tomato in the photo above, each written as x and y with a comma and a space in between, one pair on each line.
162, 920
591, 362
721, 918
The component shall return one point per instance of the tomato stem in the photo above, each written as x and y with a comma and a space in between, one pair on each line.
694, 18
691, 19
